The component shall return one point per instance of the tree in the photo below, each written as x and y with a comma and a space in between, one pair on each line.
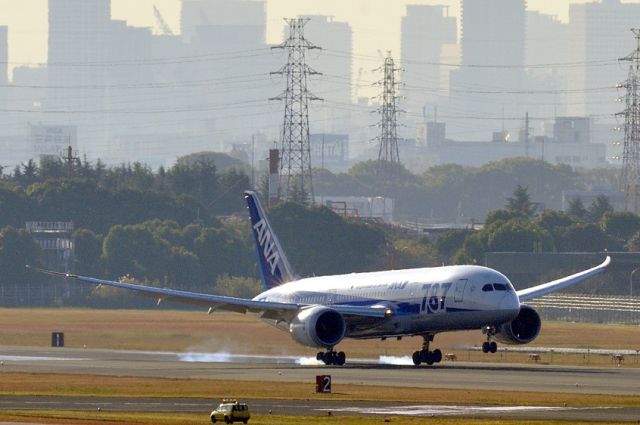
599, 207
449, 242
17, 249
576, 208
619, 224
134, 250
519, 236
88, 250
582, 237
237, 286
520, 202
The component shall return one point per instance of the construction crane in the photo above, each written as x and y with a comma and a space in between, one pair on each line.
162, 24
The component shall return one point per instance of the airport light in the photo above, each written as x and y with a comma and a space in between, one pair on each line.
631, 281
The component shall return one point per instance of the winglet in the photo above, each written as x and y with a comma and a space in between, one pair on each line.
549, 287
274, 266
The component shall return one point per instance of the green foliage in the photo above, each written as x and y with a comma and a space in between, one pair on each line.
318, 241
134, 250
599, 208
621, 225
223, 250
449, 242
519, 236
520, 202
502, 216
582, 237
577, 209
17, 249
88, 252
237, 286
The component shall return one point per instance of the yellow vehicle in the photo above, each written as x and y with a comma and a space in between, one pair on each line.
231, 411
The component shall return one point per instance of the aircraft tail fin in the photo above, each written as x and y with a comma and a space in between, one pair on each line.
274, 266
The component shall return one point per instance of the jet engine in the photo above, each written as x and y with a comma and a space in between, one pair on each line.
318, 326
521, 330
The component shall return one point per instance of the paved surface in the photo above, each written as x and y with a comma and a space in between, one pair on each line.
319, 407
460, 375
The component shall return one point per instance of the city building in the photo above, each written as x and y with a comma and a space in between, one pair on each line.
250, 14
334, 63
50, 140
488, 85
425, 32
599, 34
330, 151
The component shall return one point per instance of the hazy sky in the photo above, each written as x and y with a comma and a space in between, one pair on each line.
375, 23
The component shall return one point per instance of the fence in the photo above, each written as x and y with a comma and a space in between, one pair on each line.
589, 308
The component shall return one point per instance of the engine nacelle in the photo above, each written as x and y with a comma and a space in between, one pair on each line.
521, 330
319, 327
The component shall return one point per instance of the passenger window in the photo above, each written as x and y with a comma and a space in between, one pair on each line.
500, 286
487, 288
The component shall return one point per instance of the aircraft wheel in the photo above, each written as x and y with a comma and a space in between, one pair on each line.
341, 358
437, 355
429, 358
320, 356
417, 358
493, 347
485, 347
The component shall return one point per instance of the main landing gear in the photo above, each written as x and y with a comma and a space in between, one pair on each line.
426, 356
489, 346
332, 358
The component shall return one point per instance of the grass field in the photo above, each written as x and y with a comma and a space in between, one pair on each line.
167, 330
118, 418
22, 384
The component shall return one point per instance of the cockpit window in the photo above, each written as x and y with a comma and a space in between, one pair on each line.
500, 286
487, 288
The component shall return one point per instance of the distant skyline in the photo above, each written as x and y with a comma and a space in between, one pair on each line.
375, 23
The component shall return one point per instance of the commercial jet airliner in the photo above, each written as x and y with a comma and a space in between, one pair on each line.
321, 311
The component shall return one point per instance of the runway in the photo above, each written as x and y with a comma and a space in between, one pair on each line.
226, 366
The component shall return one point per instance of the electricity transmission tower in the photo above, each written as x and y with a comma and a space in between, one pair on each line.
631, 150
295, 151
388, 138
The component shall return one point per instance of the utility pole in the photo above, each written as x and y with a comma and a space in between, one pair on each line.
630, 180
295, 149
388, 138
70, 160
526, 135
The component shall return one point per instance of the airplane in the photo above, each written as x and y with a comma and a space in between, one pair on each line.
321, 311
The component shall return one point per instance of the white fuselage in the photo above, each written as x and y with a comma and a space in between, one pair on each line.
424, 300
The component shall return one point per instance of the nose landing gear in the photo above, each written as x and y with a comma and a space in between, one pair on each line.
426, 356
489, 346
330, 357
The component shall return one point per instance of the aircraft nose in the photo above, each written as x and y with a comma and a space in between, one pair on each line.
510, 301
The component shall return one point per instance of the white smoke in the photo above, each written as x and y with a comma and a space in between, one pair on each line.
206, 357
308, 361
395, 360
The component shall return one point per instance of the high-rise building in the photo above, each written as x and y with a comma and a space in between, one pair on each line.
78, 37
4, 67
425, 31
334, 62
599, 35
4, 55
238, 13
487, 85
546, 76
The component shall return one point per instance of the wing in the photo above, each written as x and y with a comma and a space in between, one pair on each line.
266, 309
555, 285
